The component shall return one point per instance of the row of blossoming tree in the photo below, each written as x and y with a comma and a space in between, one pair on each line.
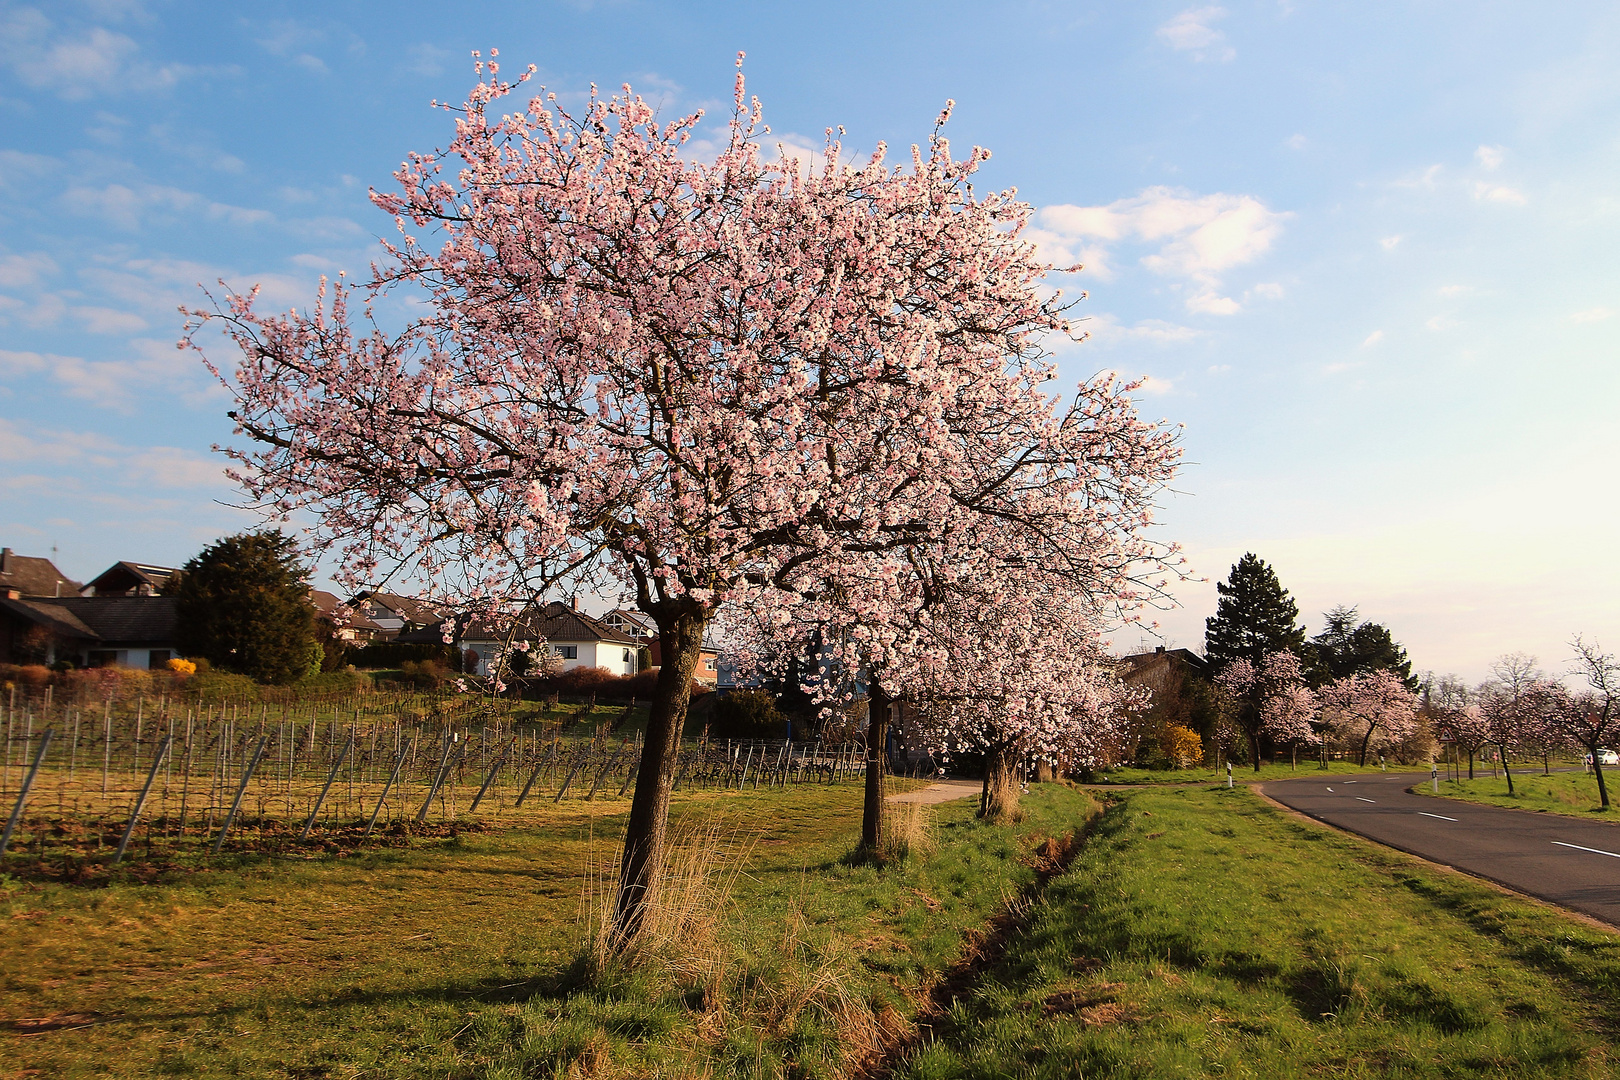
1522, 712
808, 401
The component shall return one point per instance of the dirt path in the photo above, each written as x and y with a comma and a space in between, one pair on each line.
940, 791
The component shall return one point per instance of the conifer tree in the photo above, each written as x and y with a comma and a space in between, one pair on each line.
1254, 617
1348, 647
243, 604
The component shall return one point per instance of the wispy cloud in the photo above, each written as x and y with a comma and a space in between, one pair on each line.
127, 207
1591, 315
1490, 157
1373, 339
1198, 237
81, 63
1498, 194
1193, 32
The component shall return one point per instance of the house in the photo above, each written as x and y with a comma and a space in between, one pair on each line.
572, 637
394, 615
640, 626
352, 628
90, 631
27, 575
131, 579
1158, 668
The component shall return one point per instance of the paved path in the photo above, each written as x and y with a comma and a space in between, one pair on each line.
1565, 860
941, 791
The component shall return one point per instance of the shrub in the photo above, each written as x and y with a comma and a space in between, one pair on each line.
747, 714
336, 682
388, 654
183, 669
222, 686
1181, 745
32, 675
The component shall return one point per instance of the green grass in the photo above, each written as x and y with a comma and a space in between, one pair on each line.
1571, 793
469, 957
1280, 770
1205, 933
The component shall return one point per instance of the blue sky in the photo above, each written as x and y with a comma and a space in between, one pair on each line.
1366, 253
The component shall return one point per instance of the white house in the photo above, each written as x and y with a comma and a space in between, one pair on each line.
572, 637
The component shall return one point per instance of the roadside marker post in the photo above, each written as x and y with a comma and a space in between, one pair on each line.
1229, 774
1434, 776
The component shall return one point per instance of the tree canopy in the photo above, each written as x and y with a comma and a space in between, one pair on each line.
1348, 647
1253, 618
243, 605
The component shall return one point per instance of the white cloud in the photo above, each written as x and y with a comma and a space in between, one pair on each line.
1372, 339
1220, 369
1493, 193
1191, 31
428, 60
110, 384
100, 320
17, 271
1427, 180
1295, 142
1439, 323
1155, 386
78, 65
1489, 157
1597, 314
1107, 330
1207, 303
1341, 366
1389, 243
83, 451
127, 207
1266, 290
1198, 237
1453, 291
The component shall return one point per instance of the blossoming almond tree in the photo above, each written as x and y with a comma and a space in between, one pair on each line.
1590, 719
1370, 704
692, 382
1272, 700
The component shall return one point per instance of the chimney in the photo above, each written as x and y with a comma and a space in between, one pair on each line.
575, 599
5, 560
1159, 650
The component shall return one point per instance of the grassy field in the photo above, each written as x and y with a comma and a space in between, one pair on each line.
1198, 932
1571, 793
1240, 773
471, 957
1205, 933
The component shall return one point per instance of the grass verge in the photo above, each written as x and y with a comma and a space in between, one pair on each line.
1203, 932
470, 956
1277, 770
1573, 794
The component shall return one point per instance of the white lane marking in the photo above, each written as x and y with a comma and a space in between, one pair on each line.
1350, 781
1442, 817
1330, 789
1360, 799
1593, 850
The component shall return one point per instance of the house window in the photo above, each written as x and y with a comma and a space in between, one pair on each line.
158, 658
103, 658
567, 652
627, 658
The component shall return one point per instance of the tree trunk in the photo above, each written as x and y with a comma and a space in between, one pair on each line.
1254, 748
1597, 768
877, 766
1044, 772
999, 800
1506, 771
1470, 764
680, 637
1366, 742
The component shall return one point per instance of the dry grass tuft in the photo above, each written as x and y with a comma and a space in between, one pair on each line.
908, 830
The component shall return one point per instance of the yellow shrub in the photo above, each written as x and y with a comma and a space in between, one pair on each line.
183, 668
1181, 745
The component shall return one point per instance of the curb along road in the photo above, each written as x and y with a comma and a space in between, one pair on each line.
1567, 861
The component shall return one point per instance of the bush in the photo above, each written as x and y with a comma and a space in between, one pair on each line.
396, 654
579, 682
31, 675
222, 686
183, 669
747, 714
336, 682
1181, 745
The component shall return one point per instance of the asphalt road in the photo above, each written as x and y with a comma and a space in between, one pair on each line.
1565, 860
